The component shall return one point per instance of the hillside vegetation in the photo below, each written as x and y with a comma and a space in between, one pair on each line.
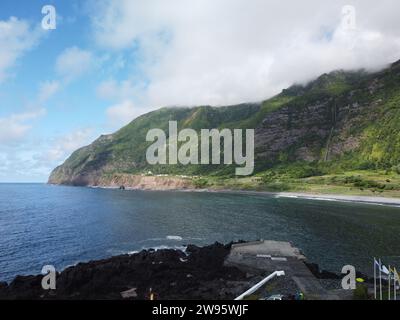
337, 134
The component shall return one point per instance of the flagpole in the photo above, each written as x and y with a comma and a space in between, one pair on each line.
375, 278
395, 288
389, 283
380, 278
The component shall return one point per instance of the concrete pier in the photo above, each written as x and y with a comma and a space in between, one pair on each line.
269, 256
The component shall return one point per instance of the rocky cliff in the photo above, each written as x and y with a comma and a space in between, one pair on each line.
343, 118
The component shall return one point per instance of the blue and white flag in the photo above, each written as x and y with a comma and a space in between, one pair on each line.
381, 267
384, 269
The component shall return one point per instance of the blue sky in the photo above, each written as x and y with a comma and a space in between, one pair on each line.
109, 61
73, 107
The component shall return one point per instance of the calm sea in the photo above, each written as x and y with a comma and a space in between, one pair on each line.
42, 224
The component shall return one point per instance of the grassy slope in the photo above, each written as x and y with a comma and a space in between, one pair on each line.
373, 168
358, 183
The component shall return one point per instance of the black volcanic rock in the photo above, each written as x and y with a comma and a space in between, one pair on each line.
171, 274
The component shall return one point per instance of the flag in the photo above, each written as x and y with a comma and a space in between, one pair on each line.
377, 263
392, 274
381, 267
396, 276
384, 269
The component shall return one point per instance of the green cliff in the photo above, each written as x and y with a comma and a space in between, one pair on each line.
343, 125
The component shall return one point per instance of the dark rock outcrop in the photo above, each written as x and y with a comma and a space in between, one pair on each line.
171, 274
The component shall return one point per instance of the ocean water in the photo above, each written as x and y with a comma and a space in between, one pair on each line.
61, 226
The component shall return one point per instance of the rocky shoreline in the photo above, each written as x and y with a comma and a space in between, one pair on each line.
199, 273
129, 181
180, 184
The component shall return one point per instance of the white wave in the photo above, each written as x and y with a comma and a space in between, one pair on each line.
175, 238
323, 199
152, 239
280, 196
165, 247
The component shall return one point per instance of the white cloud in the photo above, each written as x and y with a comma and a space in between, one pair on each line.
231, 51
73, 62
18, 164
122, 113
15, 126
63, 146
32, 159
16, 37
113, 90
70, 64
47, 90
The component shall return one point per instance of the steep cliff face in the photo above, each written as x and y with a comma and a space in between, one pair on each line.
315, 125
350, 118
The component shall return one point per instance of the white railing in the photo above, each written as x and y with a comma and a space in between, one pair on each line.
260, 284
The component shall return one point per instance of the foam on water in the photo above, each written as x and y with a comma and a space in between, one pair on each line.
175, 238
